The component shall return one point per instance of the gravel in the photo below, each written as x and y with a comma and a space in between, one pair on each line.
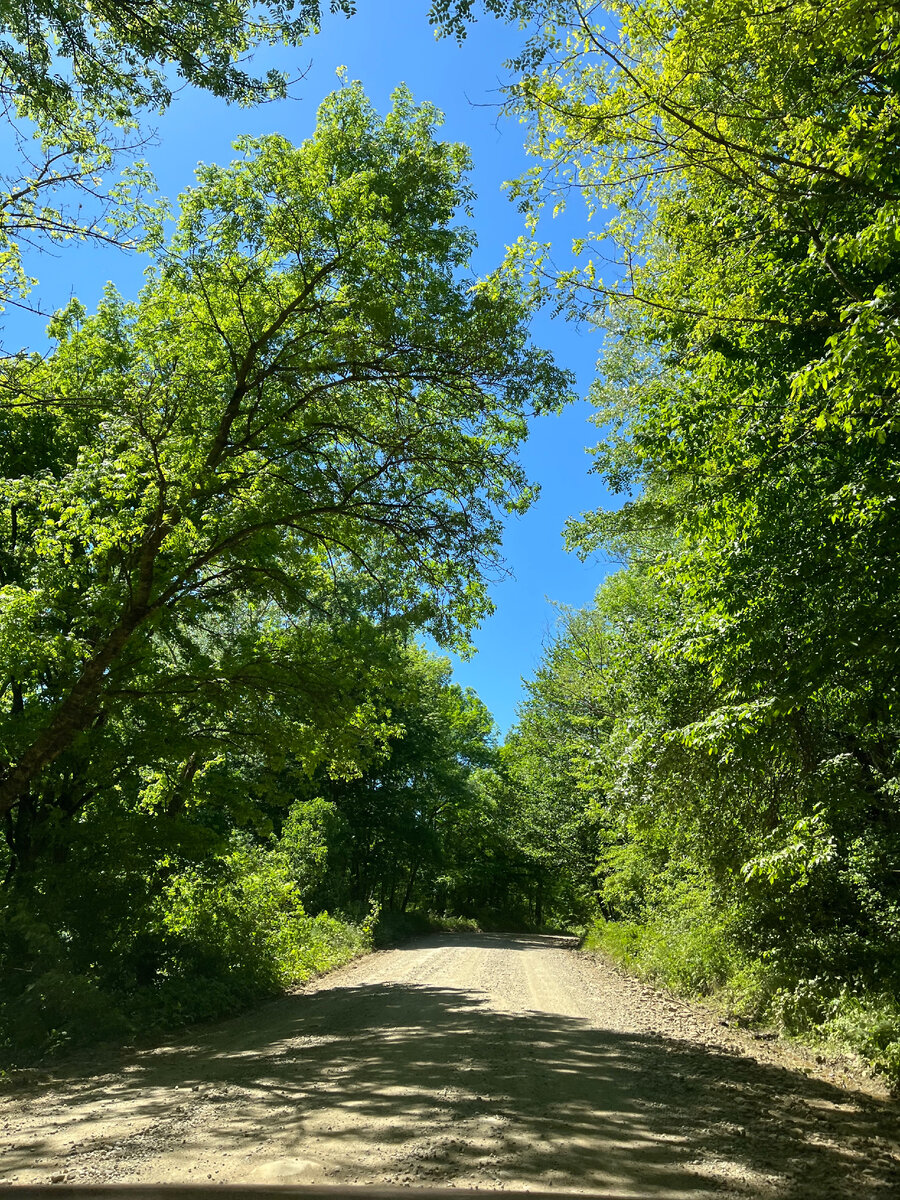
472, 1061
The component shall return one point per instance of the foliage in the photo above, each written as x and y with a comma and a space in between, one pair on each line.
753, 198
59, 56
226, 508
451, 18
230, 505
395, 927
213, 937
75, 80
733, 856
431, 825
726, 710
155, 909
309, 418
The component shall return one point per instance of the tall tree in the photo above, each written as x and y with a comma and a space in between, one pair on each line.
739, 169
746, 160
309, 386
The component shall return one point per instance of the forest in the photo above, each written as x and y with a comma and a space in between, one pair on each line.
245, 510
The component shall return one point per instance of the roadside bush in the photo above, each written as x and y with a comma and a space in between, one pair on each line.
456, 924
504, 920
621, 940
685, 940
236, 930
869, 1025
215, 938
234, 919
392, 927
314, 842
57, 1009
866, 1023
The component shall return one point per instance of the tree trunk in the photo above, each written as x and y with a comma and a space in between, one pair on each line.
414, 870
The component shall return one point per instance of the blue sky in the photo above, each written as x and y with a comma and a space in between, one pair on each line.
384, 44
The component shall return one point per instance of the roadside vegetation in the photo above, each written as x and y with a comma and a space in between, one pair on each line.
234, 507
231, 507
727, 709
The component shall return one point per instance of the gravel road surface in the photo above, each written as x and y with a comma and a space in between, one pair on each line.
477, 1060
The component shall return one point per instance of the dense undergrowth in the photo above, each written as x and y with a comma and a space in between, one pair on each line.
693, 956
213, 940
220, 940
394, 927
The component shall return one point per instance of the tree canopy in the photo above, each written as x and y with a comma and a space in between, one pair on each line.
76, 84
59, 56
230, 505
735, 730
306, 389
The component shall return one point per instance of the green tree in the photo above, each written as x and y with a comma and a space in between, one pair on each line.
402, 815
59, 56
75, 83
746, 161
739, 167
308, 387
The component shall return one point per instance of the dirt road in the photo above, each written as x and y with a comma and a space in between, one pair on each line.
467, 1060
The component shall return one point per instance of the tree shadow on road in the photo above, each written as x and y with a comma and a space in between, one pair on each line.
455, 1092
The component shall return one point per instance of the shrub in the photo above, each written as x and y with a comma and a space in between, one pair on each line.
237, 930
685, 943
680, 952
222, 935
